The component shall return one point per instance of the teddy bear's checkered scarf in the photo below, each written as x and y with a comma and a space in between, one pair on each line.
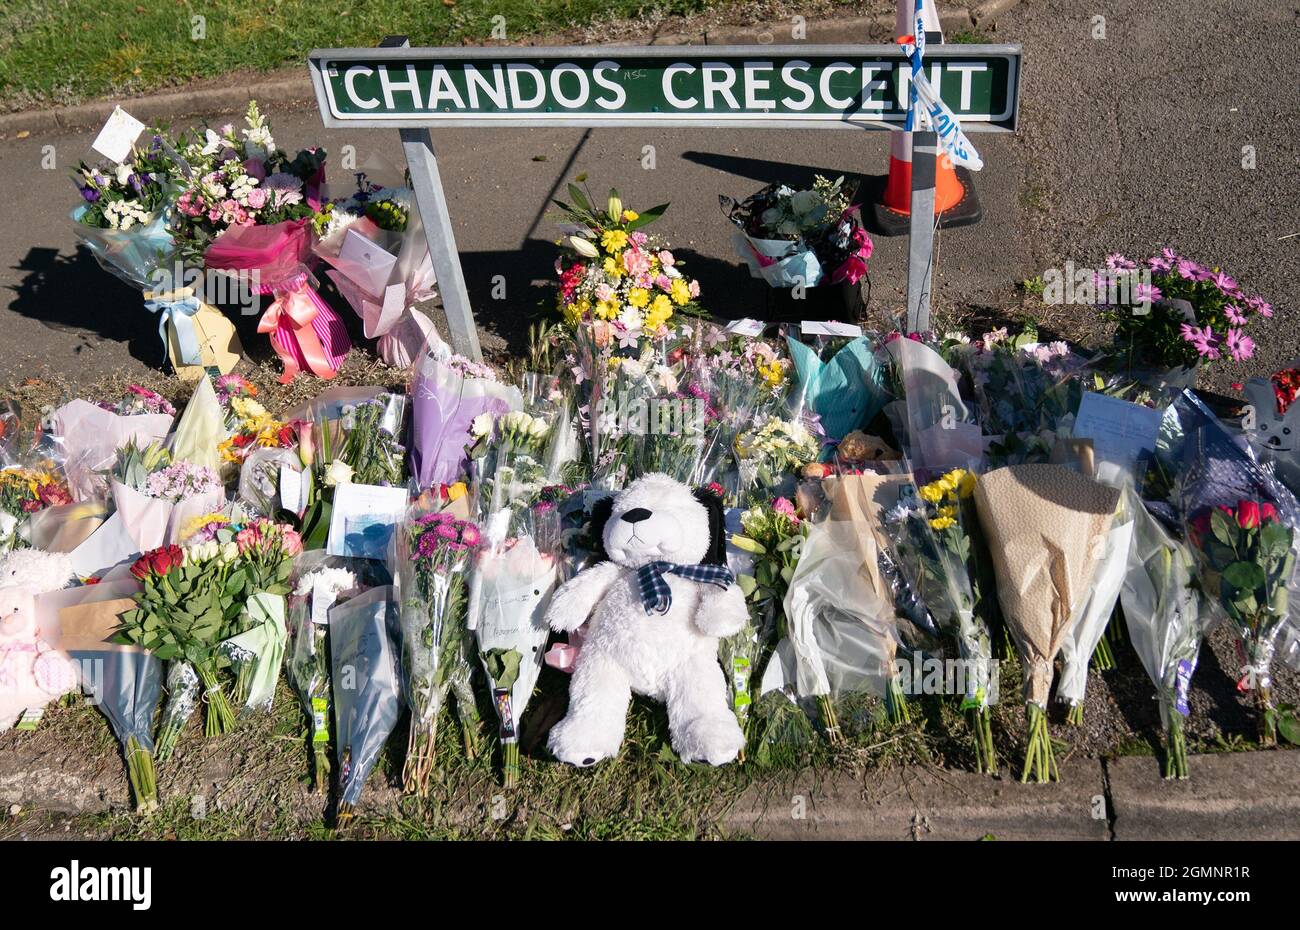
658, 597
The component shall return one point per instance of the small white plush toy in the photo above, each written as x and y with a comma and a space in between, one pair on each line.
659, 597
31, 673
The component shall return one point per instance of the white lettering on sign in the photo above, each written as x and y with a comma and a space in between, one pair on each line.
718, 80
682, 103
516, 70
620, 95
839, 67
443, 89
807, 96
410, 86
350, 82
557, 86
495, 90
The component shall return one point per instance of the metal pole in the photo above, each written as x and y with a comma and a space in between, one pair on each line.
924, 145
431, 199
920, 237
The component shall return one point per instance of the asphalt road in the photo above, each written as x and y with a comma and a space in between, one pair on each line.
1128, 142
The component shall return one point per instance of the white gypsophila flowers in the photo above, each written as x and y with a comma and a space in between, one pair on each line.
123, 214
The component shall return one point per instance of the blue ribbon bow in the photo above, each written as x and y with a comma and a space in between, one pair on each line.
179, 311
657, 597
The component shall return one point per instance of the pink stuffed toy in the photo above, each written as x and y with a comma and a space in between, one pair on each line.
32, 673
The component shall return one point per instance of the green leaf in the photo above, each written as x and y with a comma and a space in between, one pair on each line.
579, 197
503, 666
1244, 576
645, 217
1288, 725
1224, 529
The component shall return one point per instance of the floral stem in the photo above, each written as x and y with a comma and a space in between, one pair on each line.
985, 759
1074, 716
1268, 716
1103, 659
896, 703
510, 764
1039, 760
830, 723
144, 780
219, 718
1175, 747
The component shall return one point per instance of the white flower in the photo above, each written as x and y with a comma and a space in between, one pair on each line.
804, 202
481, 425
771, 216
123, 174
229, 553
538, 428
666, 379
339, 472
583, 247
202, 552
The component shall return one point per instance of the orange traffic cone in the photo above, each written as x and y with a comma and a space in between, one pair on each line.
955, 200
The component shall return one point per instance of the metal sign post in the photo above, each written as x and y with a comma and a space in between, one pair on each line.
846, 87
925, 150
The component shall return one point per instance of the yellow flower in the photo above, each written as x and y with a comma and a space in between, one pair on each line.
607, 309
948, 511
680, 291
613, 269
663, 306
614, 240
967, 487
630, 215
638, 297
932, 493
656, 317
942, 523
572, 315
456, 491
198, 523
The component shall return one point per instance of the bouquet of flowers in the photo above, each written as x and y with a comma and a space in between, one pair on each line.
773, 448
157, 497
139, 400
771, 534
181, 614
840, 382
1188, 314
1086, 637
248, 207
260, 575
126, 688
930, 539
125, 221
183, 694
91, 436
23, 492
839, 608
366, 687
371, 448
934, 425
1043, 523
308, 665
434, 553
374, 242
449, 397
615, 273
252, 427
1165, 624
790, 237
510, 590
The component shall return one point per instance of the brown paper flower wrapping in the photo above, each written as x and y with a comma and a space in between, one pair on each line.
1046, 527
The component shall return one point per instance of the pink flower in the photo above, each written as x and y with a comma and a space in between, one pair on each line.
1189, 269
291, 543
638, 238
783, 506
604, 292
666, 259
1240, 346
694, 288
1204, 340
257, 198
863, 242
469, 534
636, 262
664, 283
1223, 282
1159, 263
248, 538
1117, 262
1146, 293
1234, 314
1260, 306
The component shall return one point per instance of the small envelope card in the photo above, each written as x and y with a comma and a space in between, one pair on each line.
368, 264
363, 520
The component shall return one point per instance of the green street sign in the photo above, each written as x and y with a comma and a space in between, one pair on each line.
790, 87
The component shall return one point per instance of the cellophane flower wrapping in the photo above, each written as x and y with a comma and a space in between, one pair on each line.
510, 590
838, 607
321, 582
91, 437
183, 695
1090, 623
383, 293
366, 686
126, 684
1165, 620
937, 427
448, 394
1242, 525
434, 553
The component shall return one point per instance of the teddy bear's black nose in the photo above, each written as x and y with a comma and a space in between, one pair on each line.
636, 515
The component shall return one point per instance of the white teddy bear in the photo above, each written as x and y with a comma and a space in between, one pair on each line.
658, 607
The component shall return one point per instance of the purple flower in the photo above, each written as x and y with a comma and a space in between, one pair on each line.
1146, 293
1223, 282
1234, 314
1259, 305
89, 194
1117, 262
